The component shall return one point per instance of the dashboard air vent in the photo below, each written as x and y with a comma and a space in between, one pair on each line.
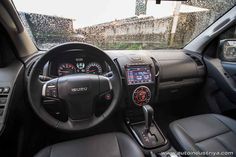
197, 60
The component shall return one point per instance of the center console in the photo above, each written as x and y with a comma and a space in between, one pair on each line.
147, 132
141, 83
140, 76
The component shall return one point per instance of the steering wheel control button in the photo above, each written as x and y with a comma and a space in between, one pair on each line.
1, 111
50, 89
141, 95
6, 90
108, 96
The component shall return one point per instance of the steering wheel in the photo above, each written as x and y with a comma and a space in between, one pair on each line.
77, 91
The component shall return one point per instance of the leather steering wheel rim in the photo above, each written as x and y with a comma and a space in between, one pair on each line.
34, 88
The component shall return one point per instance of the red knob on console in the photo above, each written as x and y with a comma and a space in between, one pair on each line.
141, 95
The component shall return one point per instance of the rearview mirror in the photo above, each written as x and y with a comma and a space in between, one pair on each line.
227, 50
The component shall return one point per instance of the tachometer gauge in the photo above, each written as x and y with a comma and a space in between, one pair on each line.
66, 69
94, 68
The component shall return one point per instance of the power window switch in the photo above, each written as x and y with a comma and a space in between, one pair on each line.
1, 111
6, 90
3, 100
1, 90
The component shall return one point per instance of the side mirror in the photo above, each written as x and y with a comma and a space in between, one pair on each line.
227, 50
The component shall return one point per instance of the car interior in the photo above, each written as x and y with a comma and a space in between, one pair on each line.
78, 99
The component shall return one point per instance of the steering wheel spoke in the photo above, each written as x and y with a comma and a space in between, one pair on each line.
50, 89
76, 124
105, 84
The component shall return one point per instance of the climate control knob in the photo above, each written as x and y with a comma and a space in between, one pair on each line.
141, 95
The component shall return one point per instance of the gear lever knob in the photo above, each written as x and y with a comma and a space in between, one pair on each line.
148, 115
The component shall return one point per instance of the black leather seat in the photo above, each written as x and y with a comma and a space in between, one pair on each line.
105, 145
209, 132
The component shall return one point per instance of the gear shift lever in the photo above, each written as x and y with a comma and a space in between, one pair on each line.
148, 134
148, 115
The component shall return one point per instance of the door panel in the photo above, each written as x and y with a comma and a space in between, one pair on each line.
223, 79
230, 67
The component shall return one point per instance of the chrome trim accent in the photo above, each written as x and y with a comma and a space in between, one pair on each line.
109, 81
44, 90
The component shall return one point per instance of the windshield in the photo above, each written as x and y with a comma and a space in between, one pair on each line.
119, 24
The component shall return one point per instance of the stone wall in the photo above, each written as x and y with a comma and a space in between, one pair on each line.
145, 31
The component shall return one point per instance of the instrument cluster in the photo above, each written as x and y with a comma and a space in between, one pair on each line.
73, 64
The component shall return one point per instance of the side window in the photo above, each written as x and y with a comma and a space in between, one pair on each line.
229, 34
227, 45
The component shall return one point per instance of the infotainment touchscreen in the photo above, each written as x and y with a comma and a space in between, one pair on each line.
138, 74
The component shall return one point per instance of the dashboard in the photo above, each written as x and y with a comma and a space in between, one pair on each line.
144, 73
74, 63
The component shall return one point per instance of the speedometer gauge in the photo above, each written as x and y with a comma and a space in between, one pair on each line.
94, 68
66, 69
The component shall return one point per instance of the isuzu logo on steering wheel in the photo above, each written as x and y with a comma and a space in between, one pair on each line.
80, 89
